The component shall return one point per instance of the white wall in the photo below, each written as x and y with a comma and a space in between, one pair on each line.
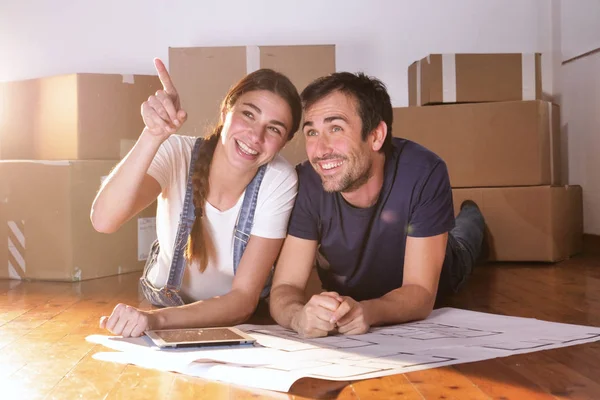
580, 20
580, 102
581, 124
380, 37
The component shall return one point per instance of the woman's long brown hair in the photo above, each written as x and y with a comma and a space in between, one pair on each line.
200, 246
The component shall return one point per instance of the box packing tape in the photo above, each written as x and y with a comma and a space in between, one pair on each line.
419, 83
252, 59
528, 71
128, 79
551, 128
449, 78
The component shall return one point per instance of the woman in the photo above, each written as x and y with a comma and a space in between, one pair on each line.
223, 204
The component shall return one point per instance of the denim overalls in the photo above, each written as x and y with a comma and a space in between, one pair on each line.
168, 295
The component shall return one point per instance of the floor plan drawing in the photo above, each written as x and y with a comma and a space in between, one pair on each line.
281, 356
429, 330
332, 342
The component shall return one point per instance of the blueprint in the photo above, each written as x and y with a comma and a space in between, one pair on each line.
280, 357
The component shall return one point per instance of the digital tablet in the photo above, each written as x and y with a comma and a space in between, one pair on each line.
198, 337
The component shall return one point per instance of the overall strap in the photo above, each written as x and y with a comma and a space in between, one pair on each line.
245, 220
186, 220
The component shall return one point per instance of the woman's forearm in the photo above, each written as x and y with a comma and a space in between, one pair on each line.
119, 195
232, 308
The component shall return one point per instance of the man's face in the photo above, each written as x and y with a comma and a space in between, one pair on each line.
334, 144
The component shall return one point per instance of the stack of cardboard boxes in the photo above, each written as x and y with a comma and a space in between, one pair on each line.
59, 136
484, 114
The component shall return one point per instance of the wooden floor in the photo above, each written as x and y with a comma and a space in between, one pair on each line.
44, 355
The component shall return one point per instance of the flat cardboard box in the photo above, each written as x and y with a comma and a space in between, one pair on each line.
489, 144
72, 117
471, 78
537, 223
45, 220
203, 75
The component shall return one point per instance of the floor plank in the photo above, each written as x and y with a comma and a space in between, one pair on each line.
445, 383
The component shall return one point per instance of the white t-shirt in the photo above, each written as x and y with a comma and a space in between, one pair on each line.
275, 200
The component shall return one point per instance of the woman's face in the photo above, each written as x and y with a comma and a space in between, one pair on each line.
255, 129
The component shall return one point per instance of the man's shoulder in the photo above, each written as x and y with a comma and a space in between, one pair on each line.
310, 186
414, 154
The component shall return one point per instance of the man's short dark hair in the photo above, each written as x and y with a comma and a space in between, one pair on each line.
374, 104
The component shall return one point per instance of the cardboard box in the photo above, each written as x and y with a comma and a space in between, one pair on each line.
467, 78
72, 117
537, 223
203, 75
489, 144
17, 99
45, 214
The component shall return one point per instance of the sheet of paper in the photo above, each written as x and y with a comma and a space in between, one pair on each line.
280, 357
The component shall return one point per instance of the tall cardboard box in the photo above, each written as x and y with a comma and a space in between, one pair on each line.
203, 75
45, 224
471, 78
537, 223
489, 144
72, 117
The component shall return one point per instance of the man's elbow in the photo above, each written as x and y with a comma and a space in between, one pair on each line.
427, 305
275, 306
273, 302
276, 291
423, 304
424, 312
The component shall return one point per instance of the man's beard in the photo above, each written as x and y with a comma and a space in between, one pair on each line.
350, 181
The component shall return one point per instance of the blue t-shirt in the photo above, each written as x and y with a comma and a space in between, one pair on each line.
361, 250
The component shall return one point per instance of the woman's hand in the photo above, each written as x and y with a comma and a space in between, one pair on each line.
162, 112
127, 321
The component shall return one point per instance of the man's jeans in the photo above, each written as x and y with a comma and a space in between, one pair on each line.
463, 250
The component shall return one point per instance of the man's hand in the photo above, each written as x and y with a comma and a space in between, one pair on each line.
350, 317
315, 318
162, 113
127, 321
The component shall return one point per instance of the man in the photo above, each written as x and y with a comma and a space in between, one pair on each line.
374, 212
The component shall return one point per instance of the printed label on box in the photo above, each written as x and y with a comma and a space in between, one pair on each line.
146, 236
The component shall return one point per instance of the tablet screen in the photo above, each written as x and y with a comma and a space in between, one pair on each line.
197, 335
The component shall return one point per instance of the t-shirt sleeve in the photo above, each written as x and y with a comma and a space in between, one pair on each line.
304, 223
162, 167
272, 215
433, 213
